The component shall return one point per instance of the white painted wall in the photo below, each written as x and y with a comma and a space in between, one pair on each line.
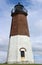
17, 42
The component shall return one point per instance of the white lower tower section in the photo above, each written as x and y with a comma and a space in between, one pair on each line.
16, 43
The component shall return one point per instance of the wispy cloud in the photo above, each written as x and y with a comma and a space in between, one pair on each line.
38, 25
3, 56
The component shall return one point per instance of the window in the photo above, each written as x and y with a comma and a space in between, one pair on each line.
22, 54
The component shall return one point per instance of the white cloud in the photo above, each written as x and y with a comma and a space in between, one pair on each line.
35, 22
37, 58
35, 1
37, 48
4, 45
5, 20
36, 41
3, 56
2, 38
38, 25
40, 1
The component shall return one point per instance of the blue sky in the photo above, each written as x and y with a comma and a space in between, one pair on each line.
34, 8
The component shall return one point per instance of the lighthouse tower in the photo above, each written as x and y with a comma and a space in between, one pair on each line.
20, 50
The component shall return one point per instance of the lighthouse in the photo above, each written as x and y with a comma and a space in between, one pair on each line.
20, 49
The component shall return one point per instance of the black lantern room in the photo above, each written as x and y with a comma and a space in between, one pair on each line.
18, 9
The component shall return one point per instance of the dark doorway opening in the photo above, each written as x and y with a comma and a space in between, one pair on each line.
22, 54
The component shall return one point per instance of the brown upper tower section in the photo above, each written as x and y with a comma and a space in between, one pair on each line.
19, 21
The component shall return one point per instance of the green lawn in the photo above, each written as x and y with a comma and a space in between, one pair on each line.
20, 64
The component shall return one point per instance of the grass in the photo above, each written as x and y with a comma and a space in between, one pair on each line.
20, 64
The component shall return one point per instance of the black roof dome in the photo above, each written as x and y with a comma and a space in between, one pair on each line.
19, 4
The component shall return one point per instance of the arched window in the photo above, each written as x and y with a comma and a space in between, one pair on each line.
22, 51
